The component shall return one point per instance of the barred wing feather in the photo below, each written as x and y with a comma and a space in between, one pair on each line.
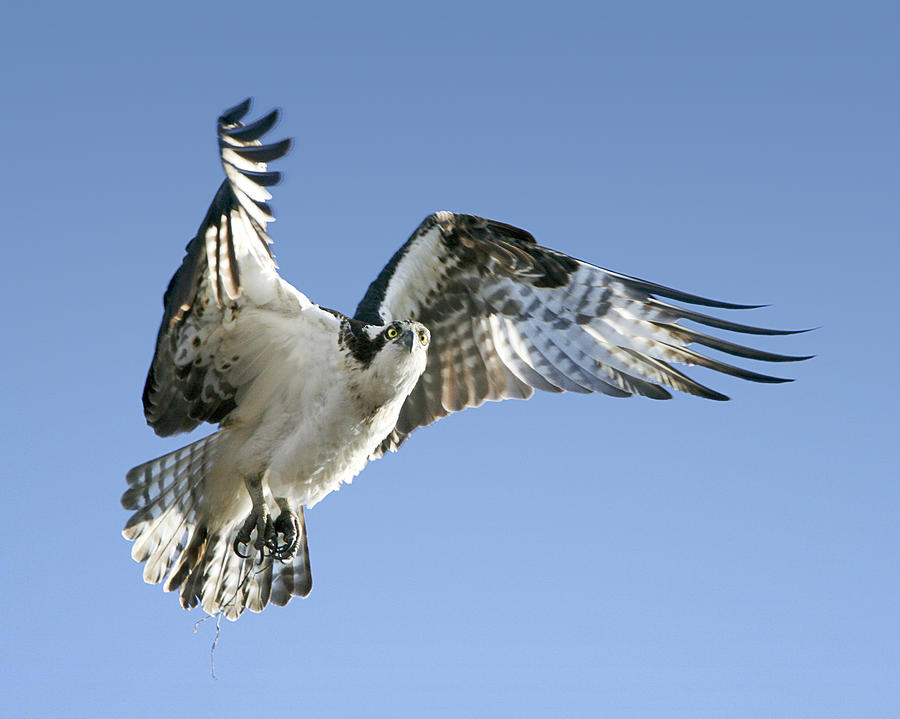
508, 316
204, 355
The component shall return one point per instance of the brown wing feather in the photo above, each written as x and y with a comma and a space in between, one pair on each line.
508, 316
188, 378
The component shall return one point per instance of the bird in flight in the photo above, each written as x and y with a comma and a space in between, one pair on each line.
467, 310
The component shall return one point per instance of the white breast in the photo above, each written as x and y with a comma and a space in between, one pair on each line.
311, 420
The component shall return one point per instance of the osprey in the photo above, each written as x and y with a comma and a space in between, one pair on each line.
467, 310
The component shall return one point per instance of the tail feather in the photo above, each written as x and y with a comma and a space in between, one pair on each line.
173, 533
166, 492
293, 578
256, 594
188, 559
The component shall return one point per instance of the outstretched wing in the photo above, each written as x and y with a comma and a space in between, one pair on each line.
206, 351
508, 316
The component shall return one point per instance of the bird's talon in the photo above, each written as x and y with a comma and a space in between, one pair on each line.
260, 522
269, 534
236, 547
287, 525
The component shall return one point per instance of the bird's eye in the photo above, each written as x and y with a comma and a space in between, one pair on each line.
392, 332
423, 338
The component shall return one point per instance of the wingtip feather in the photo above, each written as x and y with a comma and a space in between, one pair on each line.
235, 113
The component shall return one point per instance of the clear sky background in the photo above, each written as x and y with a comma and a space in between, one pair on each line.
570, 556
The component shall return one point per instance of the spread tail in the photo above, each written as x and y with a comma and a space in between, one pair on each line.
174, 536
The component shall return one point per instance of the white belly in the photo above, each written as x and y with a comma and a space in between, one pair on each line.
303, 456
325, 451
308, 426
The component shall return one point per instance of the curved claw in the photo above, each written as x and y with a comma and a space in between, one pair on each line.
282, 551
287, 525
257, 521
235, 546
269, 534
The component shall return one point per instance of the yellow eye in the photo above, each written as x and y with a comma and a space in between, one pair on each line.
392, 332
423, 338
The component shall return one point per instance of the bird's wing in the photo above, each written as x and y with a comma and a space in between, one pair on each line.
225, 308
508, 316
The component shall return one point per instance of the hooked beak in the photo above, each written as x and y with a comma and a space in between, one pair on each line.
408, 340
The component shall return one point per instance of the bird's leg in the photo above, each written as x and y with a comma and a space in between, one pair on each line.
258, 519
287, 524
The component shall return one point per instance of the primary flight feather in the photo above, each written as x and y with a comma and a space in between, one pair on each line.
467, 310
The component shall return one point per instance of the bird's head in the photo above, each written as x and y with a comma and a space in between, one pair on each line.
392, 356
404, 350
408, 335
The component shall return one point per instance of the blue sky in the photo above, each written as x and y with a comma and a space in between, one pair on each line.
570, 556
